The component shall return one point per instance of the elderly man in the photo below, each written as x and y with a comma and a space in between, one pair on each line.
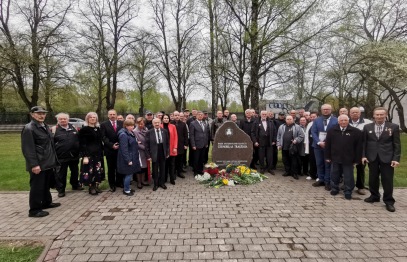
343, 149
67, 148
264, 135
233, 118
199, 134
246, 125
359, 122
381, 150
41, 159
109, 130
182, 132
217, 122
290, 135
149, 120
157, 151
319, 129
343, 111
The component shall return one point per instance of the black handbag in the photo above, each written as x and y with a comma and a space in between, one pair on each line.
293, 150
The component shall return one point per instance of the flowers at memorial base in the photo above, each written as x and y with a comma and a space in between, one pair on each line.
230, 176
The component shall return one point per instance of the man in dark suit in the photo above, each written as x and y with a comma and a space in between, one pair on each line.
381, 150
343, 149
158, 150
264, 136
246, 125
319, 129
109, 130
198, 134
182, 132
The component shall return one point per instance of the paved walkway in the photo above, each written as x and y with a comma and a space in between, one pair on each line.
281, 219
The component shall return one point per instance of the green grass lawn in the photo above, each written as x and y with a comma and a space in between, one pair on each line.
14, 177
22, 251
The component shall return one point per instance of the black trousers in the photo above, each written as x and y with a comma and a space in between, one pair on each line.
384, 172
360, 176
40, 195
114, 178
255, 157
179, 164
304, 164
290, 162
199, 156
265, 157
191, 157
170, 168
62, 172
159, 167
275, 156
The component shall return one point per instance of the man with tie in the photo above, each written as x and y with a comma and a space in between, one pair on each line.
264, 136
343, 149
199, 134
157, 151
359, 122
319, 130
109, 131
381, 150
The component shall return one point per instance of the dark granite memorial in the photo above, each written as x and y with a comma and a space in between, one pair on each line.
231, 146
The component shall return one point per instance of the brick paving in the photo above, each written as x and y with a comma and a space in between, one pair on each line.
280, 219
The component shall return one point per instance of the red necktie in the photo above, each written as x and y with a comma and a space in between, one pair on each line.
114, 125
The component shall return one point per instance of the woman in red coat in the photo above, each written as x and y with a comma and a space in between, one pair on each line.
173, 135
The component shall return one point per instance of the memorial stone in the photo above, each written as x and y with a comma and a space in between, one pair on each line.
231, 146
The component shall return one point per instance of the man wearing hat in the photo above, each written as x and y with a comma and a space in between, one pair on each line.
149, 120
40, 157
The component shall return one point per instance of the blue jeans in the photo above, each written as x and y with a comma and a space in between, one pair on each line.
348, 178
323, 168
126, 182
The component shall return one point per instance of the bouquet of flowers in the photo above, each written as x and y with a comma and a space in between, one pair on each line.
232, 175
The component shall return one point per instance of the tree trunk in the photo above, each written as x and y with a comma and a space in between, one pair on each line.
254, 56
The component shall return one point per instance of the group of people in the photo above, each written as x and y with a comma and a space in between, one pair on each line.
322, 147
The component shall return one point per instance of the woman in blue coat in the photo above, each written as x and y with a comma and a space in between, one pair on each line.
128, 161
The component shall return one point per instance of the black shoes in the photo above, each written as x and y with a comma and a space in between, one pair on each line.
78, 187
164, 186
52, 205
145, 184
334, 192
286, 174
295, 176
39, 214
371, 199
172, 182
112, 189
348, 197
318, 184
92, 191
181, 176
128, 194
155, 188
271, 172
139, 187
328, 187
390, 208
61, 193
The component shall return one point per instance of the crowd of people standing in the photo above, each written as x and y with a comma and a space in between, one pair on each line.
321, 147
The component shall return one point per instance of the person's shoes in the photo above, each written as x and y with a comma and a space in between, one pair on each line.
181, 176
295, 176
183, 170
61, 194
328, 187
92, 191
348, 197
262, 171
98, 190
271, 172
390, 208
139, 187
286, 174
155, 188
39, 214
78, 187
128, 193
145, 184
361, 191
112, 189
371, 200
163, 186
52, 205
172, 182
334, 192
308, 178
318, 184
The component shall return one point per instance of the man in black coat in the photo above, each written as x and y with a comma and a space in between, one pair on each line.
182, 132
41, 159
67, 148
158, 150
264, 136
246, 125
198, 134
109, 130
382, 150
343, 149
